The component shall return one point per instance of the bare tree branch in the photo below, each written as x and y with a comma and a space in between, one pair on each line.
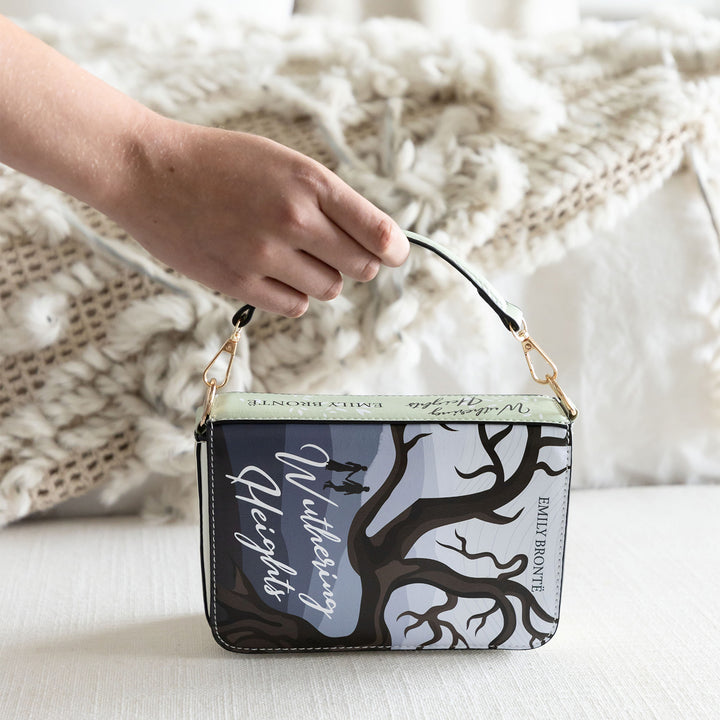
259, 626
555, 440
500, 590
445, 426
361, 551
436, 625
477, 473
413, 441
546, 468
490, 445
483, 616
522, 560
425, 514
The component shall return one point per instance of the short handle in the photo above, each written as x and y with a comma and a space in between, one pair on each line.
510, 315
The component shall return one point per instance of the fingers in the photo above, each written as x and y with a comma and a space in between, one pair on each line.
361, 220
292, 277
308, 275
334, 247
305, 229
274, 296
309, 261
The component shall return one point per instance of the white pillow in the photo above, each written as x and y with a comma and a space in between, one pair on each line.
633, 322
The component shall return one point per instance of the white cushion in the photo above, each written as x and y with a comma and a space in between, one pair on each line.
104, 619
633, 322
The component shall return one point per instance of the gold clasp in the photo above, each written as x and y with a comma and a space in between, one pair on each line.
229, 347
529, 346
209, 398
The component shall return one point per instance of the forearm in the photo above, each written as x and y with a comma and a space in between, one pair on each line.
240, 213
62, 125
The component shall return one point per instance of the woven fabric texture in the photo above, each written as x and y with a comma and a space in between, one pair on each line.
509, 151
104, 619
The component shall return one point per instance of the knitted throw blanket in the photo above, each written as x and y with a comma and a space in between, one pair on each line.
508, 151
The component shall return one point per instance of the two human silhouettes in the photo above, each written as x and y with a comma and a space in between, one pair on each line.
348, 486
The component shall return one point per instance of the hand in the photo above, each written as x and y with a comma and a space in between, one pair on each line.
240, 213
250, 217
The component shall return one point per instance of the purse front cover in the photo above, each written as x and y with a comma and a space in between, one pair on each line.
383, 535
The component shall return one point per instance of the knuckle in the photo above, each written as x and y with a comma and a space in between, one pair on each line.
244, 287
261, 253
333, 289
237, 280
297, 307
383, 235
310, 175
369, 270
293, 217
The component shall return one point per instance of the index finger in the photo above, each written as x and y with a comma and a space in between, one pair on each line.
365, 223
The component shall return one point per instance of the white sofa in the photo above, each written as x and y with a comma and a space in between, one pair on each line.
103, 618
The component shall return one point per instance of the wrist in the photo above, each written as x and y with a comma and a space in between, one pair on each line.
128, 163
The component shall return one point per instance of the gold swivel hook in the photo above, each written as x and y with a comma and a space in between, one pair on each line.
213, 385
529, 346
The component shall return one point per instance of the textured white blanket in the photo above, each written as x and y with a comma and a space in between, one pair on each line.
511, 152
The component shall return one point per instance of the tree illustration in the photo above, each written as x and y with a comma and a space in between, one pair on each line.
381, 560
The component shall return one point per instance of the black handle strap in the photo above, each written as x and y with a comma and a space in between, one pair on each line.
243, 316
510, 315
